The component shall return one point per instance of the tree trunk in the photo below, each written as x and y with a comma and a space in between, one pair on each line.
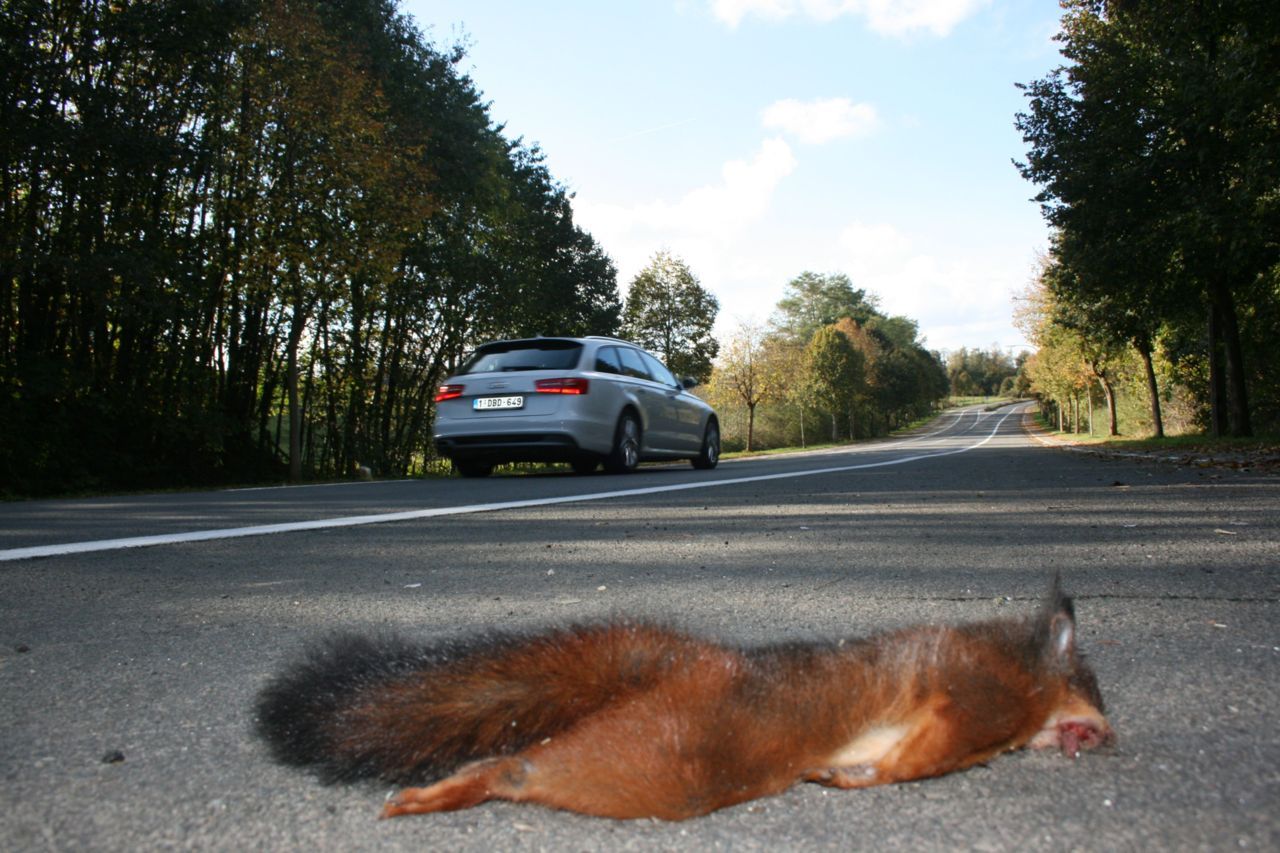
295, 419
1110, 393
1237, 394
1217, 378
295, 409
751, 426
1153, 392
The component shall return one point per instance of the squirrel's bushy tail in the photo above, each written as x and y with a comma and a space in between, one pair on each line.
358, 707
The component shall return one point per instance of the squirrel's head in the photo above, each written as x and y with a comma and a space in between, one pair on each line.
1077, 720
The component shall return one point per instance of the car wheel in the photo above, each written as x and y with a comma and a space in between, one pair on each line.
625, 455
709, 455
472, 469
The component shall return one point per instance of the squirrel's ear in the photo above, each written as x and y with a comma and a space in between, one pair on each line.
1056, 628
1062, 636
1058, 601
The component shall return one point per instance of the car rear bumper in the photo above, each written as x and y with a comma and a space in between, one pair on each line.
511, 447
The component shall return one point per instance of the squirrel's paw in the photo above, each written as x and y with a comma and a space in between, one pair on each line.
470, 786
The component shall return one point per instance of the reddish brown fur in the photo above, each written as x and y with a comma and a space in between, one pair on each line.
493, 700
634, 720
723, 727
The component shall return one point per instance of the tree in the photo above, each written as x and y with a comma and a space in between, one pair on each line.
1107, 322
1158, 152
1058, 374
1070, 359
814, 300
239, 239
555, 279
898, 377
834, 374
908, 379
668, 312
973, 372
870, 374
870, 349
745, 368
340, 195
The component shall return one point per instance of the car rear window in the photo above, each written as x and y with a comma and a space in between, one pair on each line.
607, 360
632, 365
523, 355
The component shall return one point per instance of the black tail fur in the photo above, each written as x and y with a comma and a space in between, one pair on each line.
354, 707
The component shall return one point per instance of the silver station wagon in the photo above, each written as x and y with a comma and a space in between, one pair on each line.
584, 401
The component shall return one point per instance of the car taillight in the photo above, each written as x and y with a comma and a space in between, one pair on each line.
448, 392
561, 386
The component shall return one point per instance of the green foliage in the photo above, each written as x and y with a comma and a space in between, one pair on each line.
978, 373
861, 379
669, 313
1157, 148
813, 300
243, 238
1074, 373
749, 372
834, 374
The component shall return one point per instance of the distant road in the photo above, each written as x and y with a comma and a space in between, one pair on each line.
48, 528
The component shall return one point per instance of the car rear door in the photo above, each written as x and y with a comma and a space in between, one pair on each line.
681, 410
658, 413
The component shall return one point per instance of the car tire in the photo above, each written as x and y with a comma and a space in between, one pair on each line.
472, 469
709, 456
625, 455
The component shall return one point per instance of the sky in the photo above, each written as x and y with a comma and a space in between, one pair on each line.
759, 139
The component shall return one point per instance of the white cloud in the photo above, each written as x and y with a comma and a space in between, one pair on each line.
872, 248
819, 121
886, 17
698, 225
744, 249
732, 12
953, 299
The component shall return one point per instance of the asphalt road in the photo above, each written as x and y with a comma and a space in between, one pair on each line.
127, 674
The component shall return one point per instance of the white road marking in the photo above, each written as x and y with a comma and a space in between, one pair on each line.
413, 515
315, 485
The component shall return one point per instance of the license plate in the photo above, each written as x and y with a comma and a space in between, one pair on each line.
486, 404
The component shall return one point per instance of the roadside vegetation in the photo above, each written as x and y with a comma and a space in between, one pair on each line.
1156, 147
829, 366
1189, 443
244, 241
1196, 448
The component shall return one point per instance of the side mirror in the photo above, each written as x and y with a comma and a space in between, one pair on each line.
688, 382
